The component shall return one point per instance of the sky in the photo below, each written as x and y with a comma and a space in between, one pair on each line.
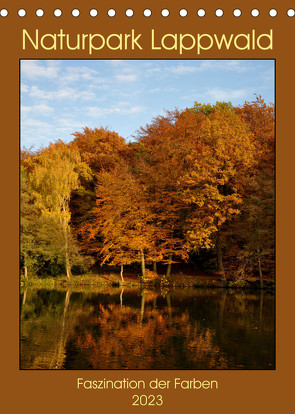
60, 97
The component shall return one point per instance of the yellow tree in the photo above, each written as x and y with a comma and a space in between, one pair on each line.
56, 172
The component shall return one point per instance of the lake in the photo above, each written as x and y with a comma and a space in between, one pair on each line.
121, 328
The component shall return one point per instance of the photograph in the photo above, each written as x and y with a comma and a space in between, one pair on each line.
147, 214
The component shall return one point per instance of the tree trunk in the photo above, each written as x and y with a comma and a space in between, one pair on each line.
220, 316
169, 306
67, 300
142, 264
26, 272
142, 306
260, 270
121, 273
261, 310
65, 227
168, 273
68, 266
155, 267
24, 297
121, 296
219, 258
59, 355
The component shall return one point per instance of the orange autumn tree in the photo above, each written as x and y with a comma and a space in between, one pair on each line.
123, 219
162, 162
230, 161
102, 150
194, 162
251, 236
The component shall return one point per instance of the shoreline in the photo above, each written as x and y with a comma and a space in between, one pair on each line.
113, 280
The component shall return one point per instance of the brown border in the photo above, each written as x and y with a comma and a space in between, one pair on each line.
34, 391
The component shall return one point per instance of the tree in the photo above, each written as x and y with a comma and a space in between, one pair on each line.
122, 219
55, 175
101, 150
28, 224
253, 233
194, 161
162, 154
231, 158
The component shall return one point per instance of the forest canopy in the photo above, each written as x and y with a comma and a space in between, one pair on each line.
196, 186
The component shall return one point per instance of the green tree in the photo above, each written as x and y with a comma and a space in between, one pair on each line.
28, 224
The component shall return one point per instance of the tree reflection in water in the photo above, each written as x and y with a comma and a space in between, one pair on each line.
128, 329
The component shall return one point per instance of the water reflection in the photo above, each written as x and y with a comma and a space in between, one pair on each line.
120, 328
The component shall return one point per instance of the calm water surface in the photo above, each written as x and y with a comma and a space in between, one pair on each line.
115, 328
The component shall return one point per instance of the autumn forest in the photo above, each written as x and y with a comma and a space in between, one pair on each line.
194, 189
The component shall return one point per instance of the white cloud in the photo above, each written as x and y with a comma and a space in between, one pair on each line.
211, 65
67, 123
226, 65
100, 87
153, 90
83, 73
41, 109
183, 69
135, 109
268, 76
123, 108
124, 71
190, 96
117, 62
61, 93
219, 94
151, 71
24, 88
32, 69
36, 132
33, 123
126, 77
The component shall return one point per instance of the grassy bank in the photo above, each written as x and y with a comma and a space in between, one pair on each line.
178, 280
82, 280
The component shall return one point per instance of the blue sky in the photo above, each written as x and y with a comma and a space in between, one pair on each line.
60, 97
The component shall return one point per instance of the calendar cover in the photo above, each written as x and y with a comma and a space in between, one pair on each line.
147, 205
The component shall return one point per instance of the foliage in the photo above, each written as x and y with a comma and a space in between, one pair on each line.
194, 166
196, 184
251, 235
28, 224
54, 174
122, 218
